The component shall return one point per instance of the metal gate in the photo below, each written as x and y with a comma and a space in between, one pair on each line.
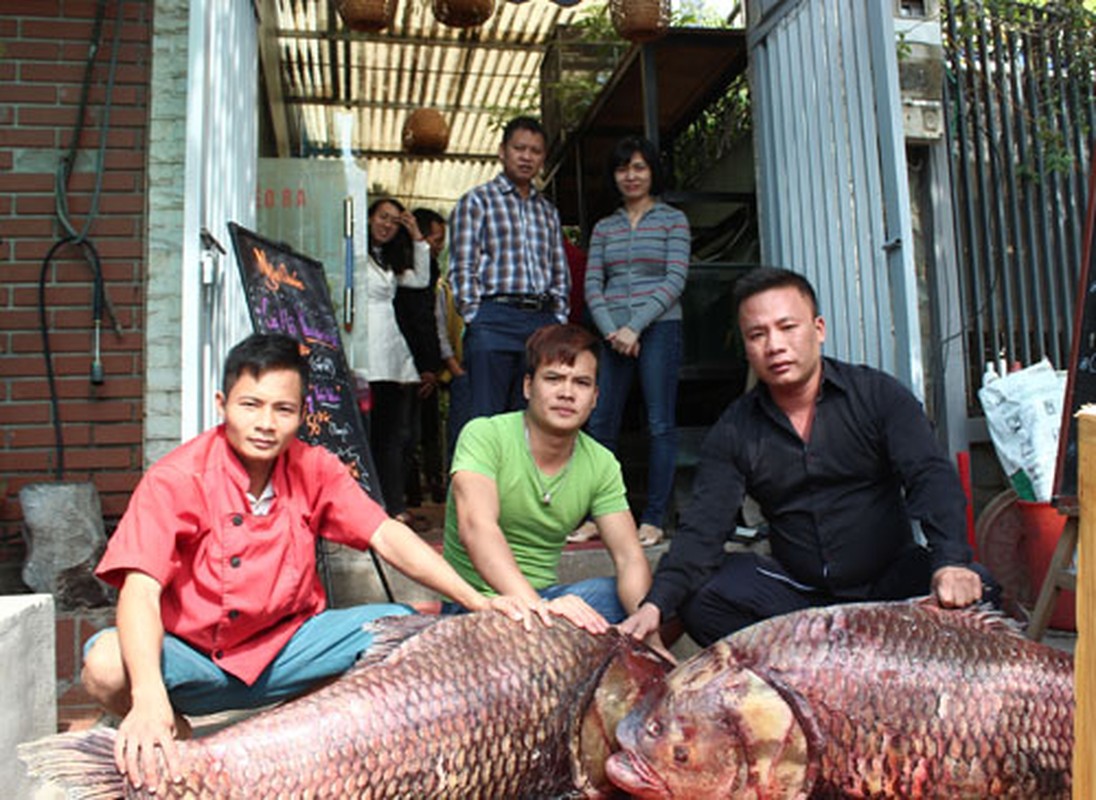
1020, 100
833, 195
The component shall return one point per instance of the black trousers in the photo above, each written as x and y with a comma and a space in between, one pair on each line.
389, 434
749, 587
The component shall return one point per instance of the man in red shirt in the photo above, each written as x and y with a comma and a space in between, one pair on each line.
220, 604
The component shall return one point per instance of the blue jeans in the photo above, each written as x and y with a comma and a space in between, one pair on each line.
326, 645
494, 356
460, 406
599, 593
658, 364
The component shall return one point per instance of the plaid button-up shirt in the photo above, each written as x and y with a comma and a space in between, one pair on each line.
503, 243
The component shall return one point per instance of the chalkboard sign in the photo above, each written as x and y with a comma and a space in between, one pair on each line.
287, 293
1081, 381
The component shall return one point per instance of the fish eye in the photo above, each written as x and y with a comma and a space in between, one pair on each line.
681, 754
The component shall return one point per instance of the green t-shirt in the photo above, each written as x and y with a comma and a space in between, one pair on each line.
591, 484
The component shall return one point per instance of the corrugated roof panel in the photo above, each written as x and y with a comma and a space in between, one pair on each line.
464, 73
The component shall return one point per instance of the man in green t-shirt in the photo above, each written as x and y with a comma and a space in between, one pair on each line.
523, 480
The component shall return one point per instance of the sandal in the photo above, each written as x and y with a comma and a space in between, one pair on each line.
650, 535
585, 532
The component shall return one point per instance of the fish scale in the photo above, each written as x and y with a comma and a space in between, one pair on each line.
888, 700
470, 706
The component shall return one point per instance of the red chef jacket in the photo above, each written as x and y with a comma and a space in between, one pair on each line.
235, 585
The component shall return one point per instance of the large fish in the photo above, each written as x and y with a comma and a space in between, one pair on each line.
469, 706
872, 700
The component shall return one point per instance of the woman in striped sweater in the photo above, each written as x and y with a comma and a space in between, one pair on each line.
637, 265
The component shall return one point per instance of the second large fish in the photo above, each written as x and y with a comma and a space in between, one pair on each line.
471, 706
873, 700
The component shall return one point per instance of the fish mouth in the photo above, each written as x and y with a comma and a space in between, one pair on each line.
634, 775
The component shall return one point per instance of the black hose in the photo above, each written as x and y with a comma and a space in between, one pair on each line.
92, 255
79, 238
66, 165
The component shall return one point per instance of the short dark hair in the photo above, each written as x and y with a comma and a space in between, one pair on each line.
761, 279
559, 344
261, 352
426, 217
622, 155
531, 124
396, 255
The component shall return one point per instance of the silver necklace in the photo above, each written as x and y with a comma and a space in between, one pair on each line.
546, 490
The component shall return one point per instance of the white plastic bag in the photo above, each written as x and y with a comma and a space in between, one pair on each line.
1024, 415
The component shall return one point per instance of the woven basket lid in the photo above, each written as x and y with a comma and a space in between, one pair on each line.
640, 20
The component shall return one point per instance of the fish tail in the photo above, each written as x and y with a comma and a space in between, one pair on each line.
81, 762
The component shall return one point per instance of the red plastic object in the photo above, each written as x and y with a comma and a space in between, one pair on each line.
962, 459
1043, 527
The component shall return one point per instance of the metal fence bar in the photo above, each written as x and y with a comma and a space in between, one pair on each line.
1021, 100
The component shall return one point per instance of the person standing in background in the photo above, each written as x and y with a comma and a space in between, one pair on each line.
398, 256
450, 344
636, 270
507, 269
415, 315
576, 265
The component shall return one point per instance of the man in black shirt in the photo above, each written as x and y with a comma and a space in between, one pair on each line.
841, 459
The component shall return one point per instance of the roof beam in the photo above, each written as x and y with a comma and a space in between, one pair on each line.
400, 155
305, 100
510, 42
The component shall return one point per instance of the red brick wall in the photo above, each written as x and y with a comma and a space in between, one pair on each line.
44, 46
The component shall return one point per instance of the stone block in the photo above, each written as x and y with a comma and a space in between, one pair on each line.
28, 694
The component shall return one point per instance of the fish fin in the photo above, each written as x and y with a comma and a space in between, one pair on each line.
81, 762
983, 615
390, 632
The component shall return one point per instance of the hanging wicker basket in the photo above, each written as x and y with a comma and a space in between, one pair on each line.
640, 20
367, 16
425, 133
463, 13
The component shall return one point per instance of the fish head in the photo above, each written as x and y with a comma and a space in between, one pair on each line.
632, 672
714, 729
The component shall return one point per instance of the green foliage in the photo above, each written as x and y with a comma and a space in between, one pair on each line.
1050, 45
720, 127
576, 89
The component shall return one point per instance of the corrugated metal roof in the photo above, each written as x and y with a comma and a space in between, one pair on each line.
331, 78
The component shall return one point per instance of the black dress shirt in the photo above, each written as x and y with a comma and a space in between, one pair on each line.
839, 505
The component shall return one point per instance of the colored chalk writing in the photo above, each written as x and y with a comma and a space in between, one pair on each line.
287, 293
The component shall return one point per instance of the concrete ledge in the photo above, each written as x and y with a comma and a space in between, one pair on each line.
28, 693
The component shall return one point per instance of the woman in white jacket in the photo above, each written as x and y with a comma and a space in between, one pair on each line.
398, 256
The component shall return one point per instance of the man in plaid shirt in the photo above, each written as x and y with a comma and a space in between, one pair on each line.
507, 269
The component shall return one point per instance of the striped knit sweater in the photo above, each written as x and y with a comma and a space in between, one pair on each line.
636, 277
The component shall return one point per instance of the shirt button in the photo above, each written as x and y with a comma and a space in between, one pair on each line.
219, 654
237, 519
233, 614
235, 561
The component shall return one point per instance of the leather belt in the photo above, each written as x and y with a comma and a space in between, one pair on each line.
527, 302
